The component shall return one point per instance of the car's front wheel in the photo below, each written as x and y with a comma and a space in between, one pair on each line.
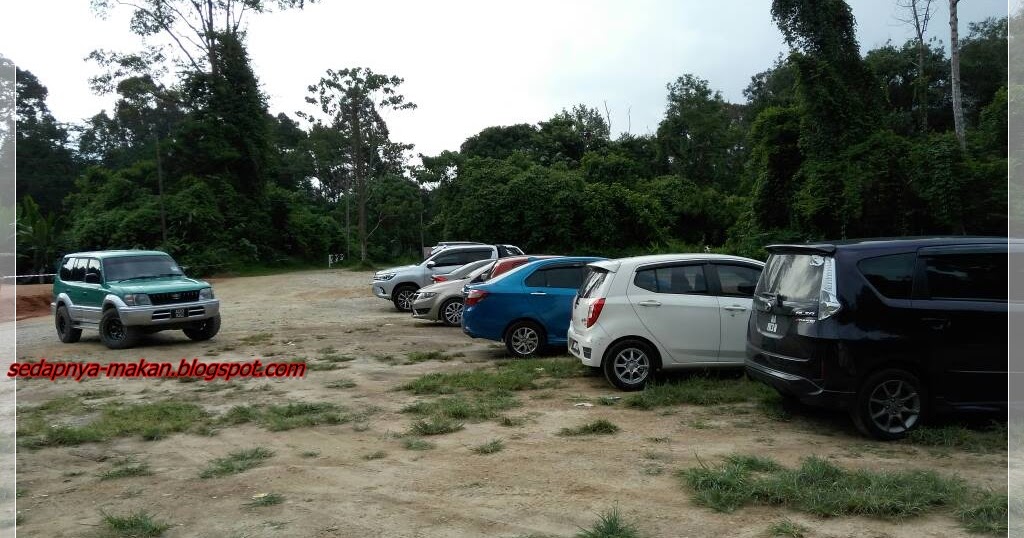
890, 404
116, 335
66, 330
525, 339
629, 364
402, 298
451, 312
204, 330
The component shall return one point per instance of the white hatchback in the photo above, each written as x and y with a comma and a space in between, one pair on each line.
633, 316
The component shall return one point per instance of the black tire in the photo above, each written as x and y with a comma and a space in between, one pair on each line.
525, 339
116, 335
890, 404
450, 312
206, 329
402, 297
66, 330
630, 364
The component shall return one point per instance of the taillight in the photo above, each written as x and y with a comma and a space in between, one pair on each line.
828, 299
594, 312
439, 278
475, 296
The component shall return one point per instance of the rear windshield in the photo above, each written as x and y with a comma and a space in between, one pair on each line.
792, 277
129, 267
592, 282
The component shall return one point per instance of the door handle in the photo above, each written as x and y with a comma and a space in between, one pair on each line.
735, 308
936, 324
649, 303
537, 293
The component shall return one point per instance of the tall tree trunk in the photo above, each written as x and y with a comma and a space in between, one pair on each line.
954, 60
921, 85
360, 181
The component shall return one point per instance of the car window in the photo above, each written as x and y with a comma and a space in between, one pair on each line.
677, 279
892, 275
93, 268
142, 266
792, 277
66, 269
475, 255
592, 282
557, 277
966, 276
448, 259
738, 280
78, 271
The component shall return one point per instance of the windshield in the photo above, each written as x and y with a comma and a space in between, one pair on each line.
792, 277
132, 267
592, 282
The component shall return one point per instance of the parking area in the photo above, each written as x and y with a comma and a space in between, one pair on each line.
407, 428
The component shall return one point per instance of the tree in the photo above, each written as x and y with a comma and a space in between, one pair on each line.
351, 101
920, 14
954, 72
46, 166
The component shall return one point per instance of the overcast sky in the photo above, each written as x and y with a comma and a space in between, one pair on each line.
471, 64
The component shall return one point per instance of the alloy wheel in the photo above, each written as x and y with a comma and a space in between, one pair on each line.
525, 340
631, 365
453, 313
894, 406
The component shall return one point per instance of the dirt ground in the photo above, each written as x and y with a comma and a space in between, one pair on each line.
540, 484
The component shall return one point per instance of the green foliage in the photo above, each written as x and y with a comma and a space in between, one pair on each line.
596, 427
610, 524
236, 462
699, 391
135, 525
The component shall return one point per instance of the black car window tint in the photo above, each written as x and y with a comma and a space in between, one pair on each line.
565, 277
477, 255
737, 280
78, 271
680, 279
93, 268
66, 269
646, 279
966, 276
892, 276
538, 279
450, 258
592, 282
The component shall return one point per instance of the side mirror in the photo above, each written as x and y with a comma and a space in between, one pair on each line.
92, 278
431, 264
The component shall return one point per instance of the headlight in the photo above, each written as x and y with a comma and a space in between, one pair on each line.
384, 276
137, 299
426, 295
206, 294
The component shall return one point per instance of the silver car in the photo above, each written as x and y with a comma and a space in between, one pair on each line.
443, 301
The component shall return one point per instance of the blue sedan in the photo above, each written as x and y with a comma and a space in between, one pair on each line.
529, 307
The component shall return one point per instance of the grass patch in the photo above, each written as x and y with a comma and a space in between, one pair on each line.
699, 391
413, 443
435, 426
505, 376
321, 366
135, 525
335, 358
822, 488
258, 338
236, 462
512, 422
286, 417
424, 356
787, 529
265, 499
310, 454
340, 384
378, 455
597, 427
610, 524
490, 447
990, 439
475, 407
126, 470
150, 420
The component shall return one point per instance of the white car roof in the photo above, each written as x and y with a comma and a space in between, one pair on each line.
629, 263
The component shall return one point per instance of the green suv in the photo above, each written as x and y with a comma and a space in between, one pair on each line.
128, 293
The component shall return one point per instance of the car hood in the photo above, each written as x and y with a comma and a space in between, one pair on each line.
396, 269
158, 285
444, 287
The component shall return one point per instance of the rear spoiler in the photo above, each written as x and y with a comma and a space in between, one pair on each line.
608, 265
821, 248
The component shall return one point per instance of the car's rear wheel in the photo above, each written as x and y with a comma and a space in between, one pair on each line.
890, 404
629, 364
116, 335
451, 312
205, 330
66, 330
524, 339
402, 298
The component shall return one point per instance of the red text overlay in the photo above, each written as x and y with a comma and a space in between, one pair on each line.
208, 371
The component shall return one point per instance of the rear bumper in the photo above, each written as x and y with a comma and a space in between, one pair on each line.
805, 390
588, 348
164, 314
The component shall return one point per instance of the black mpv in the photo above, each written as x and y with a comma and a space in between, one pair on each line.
891, 330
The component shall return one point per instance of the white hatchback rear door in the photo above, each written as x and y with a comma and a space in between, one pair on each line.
673, 303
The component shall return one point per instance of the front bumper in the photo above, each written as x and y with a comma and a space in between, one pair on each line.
425, 308
168, 314
382, 289
588, 348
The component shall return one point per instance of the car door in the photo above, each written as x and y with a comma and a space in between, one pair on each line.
733, 285
75, 283
446, 262
673, 304
551, 289
92, 291
960, 300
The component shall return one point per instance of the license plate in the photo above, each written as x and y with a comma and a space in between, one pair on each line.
574, 346
179, 313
